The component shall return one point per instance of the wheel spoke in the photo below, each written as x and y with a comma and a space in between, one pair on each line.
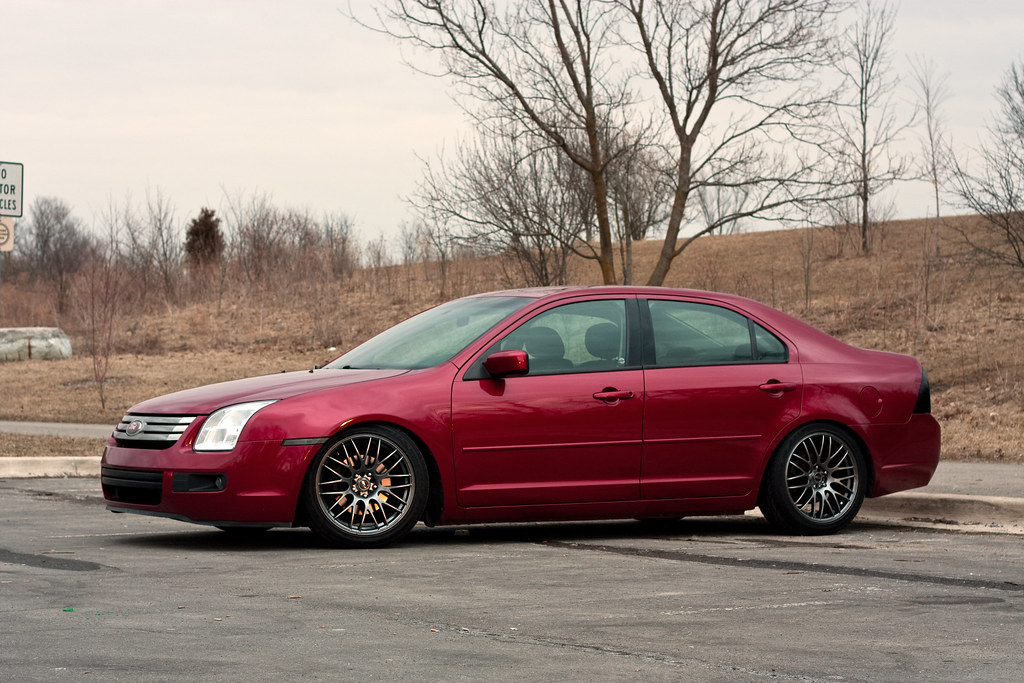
339, 480
337, 503
368, 510
386, 502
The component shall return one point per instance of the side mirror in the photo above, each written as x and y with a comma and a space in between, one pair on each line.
505, 363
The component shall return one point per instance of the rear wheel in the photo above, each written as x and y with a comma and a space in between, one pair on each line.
367, 488
815, 482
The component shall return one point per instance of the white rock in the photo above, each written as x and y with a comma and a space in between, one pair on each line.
27, 343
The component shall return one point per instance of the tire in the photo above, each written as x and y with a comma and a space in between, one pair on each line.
815, 482
367, 488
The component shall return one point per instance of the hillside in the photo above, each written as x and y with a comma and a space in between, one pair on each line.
917, 292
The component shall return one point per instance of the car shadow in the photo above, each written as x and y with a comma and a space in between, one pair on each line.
199, 538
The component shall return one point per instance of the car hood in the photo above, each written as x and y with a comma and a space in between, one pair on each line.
206, 399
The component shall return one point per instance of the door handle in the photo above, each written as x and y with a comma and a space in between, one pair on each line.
613, 395
774, 387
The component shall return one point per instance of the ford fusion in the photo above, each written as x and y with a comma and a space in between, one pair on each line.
541, 404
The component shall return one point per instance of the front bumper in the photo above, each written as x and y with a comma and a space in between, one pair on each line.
258, 482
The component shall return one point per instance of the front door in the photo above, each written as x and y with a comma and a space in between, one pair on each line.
569, 430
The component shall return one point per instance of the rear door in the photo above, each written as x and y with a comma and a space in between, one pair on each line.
719, 387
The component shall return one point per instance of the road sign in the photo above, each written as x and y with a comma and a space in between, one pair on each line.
6, 234
11, 174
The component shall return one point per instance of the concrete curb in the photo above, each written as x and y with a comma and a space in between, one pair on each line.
947, 508
20, 468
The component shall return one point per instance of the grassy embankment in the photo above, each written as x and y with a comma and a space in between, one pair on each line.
917, 292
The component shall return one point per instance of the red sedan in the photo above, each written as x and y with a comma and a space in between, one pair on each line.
541, 404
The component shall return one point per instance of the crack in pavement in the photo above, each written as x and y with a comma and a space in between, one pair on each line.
682, 556
649, 657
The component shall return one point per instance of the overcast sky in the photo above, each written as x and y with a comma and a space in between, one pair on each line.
206, 100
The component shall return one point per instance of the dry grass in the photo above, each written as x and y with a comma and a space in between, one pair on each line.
22, 445
64, 391
917, 292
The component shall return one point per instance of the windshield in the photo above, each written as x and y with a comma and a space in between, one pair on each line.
432, 337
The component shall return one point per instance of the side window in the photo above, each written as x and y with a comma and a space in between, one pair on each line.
770, 348
687, 333
589, 336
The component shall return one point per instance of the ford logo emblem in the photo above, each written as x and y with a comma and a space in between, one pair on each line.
134, 428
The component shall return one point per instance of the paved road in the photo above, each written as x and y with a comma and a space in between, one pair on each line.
132, 598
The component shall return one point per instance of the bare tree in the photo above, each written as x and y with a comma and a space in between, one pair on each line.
272, 247
258, 234
532, 205
321, 254
805, 246
735, 81
996, 191
543, 65
152, 244
340, 242
640, 191
378, 259
100, 288
867, 122
438, 244
572, 75
409, 244
165, 242
300, 246
932, 92
57, 247
124, 220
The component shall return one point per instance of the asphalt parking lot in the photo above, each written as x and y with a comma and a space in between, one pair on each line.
125, 597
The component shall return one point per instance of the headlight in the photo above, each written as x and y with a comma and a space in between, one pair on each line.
221, 430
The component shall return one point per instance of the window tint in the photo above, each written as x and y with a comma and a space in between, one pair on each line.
687, 333
770, 348
589, 336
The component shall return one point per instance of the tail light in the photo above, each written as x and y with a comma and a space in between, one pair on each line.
924, 395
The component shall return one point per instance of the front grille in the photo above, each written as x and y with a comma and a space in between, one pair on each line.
141, 487
151, 431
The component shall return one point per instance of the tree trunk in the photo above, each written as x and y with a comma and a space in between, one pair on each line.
606, 258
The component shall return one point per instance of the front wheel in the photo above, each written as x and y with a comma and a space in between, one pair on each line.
366, 488
815, 482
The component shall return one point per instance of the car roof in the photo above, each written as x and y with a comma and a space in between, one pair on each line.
541, 292
566, 291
